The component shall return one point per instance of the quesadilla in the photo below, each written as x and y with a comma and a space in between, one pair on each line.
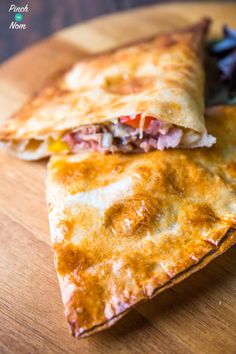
146, 96
125, 227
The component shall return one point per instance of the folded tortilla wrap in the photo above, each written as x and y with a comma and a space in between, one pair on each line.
142, 97
124, 228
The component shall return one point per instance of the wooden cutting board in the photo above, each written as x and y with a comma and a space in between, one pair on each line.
196, 316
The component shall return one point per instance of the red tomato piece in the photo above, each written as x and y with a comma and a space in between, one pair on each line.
134, 121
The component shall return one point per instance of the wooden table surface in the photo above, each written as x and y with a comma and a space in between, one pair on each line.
197, 316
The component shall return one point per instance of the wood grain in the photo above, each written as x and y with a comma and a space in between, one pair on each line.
196, 316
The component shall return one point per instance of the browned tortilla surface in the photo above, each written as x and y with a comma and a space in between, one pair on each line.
162, 77
124, 227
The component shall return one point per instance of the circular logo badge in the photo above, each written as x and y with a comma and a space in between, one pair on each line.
18, 17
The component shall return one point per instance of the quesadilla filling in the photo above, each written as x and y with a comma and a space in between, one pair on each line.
125, 134
134, 133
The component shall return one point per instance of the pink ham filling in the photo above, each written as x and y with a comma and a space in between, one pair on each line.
116, 137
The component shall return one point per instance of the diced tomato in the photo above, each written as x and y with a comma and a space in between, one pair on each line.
134, 121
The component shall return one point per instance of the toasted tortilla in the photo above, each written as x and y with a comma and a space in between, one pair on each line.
161, 77
124, 228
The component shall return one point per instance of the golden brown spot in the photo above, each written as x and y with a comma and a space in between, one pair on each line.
84, 176
200, 214
65, 227
140, 265
230, 169
127, 85
131, 216
164, 180
69, 258
88, 301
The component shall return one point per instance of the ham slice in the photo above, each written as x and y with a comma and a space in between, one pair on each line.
169, 140
115, 137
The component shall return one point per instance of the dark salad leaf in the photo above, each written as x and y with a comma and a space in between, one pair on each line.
221, 69
229, 32
227, 66
220, 48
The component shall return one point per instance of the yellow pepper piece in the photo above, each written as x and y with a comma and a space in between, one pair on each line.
57, 146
